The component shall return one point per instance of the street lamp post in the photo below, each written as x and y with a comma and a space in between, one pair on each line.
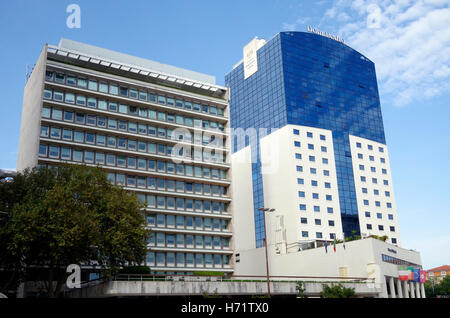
265, 245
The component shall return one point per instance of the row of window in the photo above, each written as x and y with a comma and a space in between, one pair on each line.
328, 197
308, 134
379, 215
381, 227
205, 138
92, 102
182, 204
129, 92
319, 235
377, 203
396, 261
376, 192
374, 180
314, 183
372, 169
371, 158
298, 144
179, 151
178, 204
311, 158
100, 158
178, 240
199, 260
369, 147
316, 221
316, 208
170, 185
325, 172
187, 222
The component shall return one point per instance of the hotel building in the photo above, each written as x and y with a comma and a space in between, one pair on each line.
309, 150
323, 163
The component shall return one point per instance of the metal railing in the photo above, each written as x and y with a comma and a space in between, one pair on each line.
239, 278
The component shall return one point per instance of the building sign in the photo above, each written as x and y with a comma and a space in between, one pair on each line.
251, 58
326, 34
392, 250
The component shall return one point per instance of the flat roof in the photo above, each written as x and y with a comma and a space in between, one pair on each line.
134, 60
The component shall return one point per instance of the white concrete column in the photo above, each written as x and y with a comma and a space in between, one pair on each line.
399, 288
411, 289
417, 290
422, 288
405, 289
392, 288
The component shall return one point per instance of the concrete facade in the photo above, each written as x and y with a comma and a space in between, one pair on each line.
171, 288
155, 132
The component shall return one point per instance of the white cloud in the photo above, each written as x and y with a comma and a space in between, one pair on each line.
409, 42
298, 24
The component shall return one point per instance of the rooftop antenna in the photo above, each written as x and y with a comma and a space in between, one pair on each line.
27, 70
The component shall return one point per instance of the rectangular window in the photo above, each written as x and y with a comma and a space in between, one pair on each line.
82, 83
78, 136
112, 107
48, 93
80, 118
99, 158
81, 100
58, 96
133, 93
66, 153
93, 85
44, 131
59, 78
103, 87
113, 89
143, 95
69, 98
49, 76
43, 150
53, 151
77, 155
57, 114
46, 112
89, 156
92, 102
161, 100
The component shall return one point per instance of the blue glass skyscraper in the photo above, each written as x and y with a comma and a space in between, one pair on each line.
310, 80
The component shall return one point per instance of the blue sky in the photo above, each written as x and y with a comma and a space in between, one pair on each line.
409, 41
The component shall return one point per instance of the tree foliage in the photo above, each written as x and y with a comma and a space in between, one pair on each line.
336, 291
69, 215
435, 289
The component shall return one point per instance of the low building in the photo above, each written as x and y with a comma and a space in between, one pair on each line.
438, 273
368, 257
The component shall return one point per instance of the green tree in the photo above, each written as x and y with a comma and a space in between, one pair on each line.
430, 289
300, 290
336, 291
69, 215
444, 286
